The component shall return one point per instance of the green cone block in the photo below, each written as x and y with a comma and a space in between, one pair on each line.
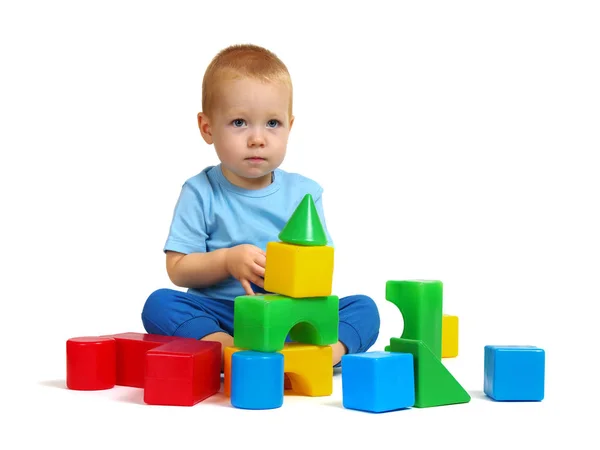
304, 226
262, 322
420, 302
434, 384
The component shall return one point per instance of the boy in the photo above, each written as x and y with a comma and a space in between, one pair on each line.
226, 214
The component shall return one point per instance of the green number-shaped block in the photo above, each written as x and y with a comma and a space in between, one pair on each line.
262, 322
434, 384
420, 302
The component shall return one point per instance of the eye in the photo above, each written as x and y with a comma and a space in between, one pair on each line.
238, 123
273, 123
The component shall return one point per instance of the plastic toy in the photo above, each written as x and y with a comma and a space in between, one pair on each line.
172, 370
131, 355
91, 363
304, 226
227, 353
434, 384
378, 381
256, 380
262, 322
449, 336
182, 372
299, 271
420, 302
514, 372
308, 368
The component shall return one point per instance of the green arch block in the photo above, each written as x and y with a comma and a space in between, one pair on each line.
420, 302
262, 322
434, 384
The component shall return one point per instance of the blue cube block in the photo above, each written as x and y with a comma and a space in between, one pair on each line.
378, 381
514, 372
257, 380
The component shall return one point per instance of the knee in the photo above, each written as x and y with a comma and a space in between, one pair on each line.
363, 305
362, 311
155, 305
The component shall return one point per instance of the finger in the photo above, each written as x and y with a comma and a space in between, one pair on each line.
261, 260
258, 270
247, 287
259, 282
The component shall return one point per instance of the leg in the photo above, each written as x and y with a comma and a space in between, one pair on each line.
358, 328
174, 313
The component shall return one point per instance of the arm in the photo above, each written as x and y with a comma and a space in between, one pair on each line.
197, 270
321, 212
244, 262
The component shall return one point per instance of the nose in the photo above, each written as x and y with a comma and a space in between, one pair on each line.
256, 138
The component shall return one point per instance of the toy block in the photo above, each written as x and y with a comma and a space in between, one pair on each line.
378, 381
91, 363
262, 322
131, 355
256, 380
304, 226
514, 372
298, 271
227, 353
434, 384
308, 369
449, 336
420, 302
182, 372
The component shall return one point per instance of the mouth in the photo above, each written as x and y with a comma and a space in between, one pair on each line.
255, 159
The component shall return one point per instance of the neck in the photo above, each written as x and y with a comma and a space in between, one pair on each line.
248, 183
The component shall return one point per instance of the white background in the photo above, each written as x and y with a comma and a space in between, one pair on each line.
455, 141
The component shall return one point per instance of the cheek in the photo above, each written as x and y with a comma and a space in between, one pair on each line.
282, 138
229, 141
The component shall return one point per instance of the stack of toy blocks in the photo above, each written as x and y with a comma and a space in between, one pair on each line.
288, 331
172, 370
428, 335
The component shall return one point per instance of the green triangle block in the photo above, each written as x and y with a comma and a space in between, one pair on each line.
304, 226
434, 384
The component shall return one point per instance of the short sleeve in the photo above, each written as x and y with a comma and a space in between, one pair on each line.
318, 198
187, 233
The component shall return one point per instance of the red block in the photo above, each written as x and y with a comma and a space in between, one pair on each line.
131, 355
91, 363
182, 372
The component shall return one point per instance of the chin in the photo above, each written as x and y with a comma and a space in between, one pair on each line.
254, 173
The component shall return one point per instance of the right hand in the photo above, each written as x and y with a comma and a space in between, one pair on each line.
247, 263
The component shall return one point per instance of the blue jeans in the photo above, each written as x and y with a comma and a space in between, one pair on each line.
176, 313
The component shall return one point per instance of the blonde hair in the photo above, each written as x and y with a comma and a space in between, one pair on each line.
243, 61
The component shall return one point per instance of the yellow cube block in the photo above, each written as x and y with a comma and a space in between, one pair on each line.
308, 367
299, 271
449, 336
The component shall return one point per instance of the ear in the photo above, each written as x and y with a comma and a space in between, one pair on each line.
291, 122
205, 129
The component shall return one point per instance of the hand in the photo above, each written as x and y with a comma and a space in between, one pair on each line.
246, 263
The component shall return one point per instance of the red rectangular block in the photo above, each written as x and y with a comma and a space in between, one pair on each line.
131, 355
182, 372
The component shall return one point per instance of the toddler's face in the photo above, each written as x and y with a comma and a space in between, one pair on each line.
250, 127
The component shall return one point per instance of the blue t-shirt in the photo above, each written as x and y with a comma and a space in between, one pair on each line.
212, 213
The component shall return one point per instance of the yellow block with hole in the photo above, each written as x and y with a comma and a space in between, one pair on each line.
299, 271
449, 336
309, 368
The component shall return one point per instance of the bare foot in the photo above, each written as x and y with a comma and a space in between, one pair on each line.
339, 350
